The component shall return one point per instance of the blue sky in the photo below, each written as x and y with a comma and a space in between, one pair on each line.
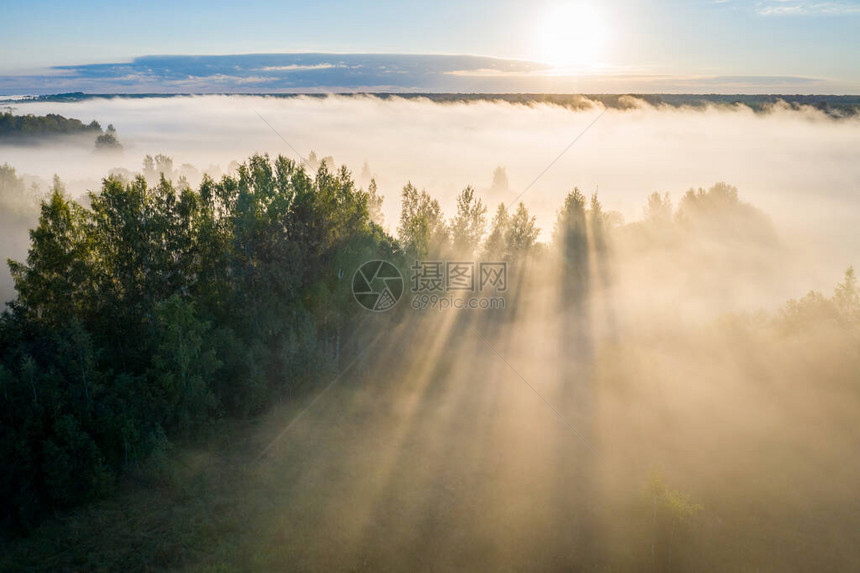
816, 41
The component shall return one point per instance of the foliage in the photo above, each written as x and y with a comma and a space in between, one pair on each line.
108, 139
155, 309
675, 503
159, 308
521, 234
16, 200
469, 226
422, 227
52, 124
33, 127
374, 203
495, 246
814, 310
671, 510
719, 211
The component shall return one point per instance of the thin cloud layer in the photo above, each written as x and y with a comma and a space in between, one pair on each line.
311, 72
802, 7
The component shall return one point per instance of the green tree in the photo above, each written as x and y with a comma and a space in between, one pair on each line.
422, 229
659, 209
183, 366
374, 203
597, 226
157, 308
495, 247
469, 226
14, 199
671, 511
52, 285
521, 233
570, 238
108, 140
847, 296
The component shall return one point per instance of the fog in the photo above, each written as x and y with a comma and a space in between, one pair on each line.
800, 167
525, 440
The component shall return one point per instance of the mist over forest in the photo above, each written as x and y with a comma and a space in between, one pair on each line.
798, 165
669, 379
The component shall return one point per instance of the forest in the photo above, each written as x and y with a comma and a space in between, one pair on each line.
126, 331
34, 128
151, 315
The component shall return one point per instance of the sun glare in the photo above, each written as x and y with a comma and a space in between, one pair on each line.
572, 36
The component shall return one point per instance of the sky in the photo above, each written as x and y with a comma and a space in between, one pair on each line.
640, 44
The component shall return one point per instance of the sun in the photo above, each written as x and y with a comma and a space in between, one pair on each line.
572, 35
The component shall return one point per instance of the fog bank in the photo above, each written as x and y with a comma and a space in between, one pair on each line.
800, 167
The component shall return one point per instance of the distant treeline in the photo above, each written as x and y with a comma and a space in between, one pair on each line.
836, 106
152, 309
33, 127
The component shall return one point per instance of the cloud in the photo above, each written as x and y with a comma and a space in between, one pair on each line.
309, 72
296, 67
492, 73
802, 7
